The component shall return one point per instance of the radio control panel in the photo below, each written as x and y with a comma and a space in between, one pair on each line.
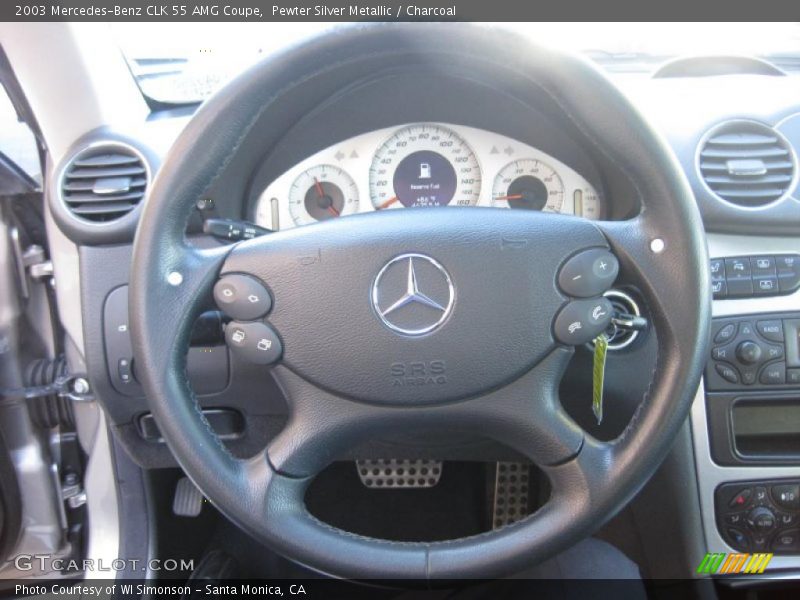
755, 352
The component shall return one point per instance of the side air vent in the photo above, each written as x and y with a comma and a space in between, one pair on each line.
747, 163
104, 182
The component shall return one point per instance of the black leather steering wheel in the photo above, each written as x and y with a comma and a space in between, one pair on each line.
501, 366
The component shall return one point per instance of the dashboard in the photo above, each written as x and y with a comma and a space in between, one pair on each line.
421, 165
375, 147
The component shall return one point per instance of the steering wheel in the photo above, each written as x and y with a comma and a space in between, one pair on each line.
468, 304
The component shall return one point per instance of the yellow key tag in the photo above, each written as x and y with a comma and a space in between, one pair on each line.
598, 375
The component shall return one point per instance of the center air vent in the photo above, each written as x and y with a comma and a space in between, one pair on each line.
747, 163
104, 182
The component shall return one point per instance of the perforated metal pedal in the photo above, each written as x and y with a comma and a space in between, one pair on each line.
511, 486
396, 473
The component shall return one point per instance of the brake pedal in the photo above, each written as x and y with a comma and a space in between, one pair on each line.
399, 473
188, 501
511, 486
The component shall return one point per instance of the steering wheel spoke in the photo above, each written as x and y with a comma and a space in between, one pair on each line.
524, 415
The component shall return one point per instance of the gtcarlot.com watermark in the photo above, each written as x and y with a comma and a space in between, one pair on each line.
46, 563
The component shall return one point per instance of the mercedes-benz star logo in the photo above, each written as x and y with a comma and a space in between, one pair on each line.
413, 294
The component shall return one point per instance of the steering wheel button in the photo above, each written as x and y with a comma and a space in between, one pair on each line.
255, 342
581, 321
242, 297
589, 273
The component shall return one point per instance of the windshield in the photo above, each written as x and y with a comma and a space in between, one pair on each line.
187, 62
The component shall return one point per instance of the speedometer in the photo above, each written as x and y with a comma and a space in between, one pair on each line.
424, 165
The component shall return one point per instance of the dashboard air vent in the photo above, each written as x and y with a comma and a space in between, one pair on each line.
104, 182
747, 163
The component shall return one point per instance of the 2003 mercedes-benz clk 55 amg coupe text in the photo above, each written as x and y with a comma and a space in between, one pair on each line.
429, 304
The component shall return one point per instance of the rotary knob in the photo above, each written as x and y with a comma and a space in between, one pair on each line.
761, 519
748, 352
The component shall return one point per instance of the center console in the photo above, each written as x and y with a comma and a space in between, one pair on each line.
746, 415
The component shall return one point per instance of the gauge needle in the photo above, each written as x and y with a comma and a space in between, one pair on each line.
388, 203
511, 197
318, 187
321, 193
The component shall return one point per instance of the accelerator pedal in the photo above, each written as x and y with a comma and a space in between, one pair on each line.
390, 473
188, 501
511, 486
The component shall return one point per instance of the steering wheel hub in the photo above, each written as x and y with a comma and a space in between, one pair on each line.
413, 299
366, 311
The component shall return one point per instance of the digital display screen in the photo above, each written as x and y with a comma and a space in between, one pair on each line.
425, 178
767, 428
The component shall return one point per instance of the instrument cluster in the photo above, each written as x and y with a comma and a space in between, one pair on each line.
423, 165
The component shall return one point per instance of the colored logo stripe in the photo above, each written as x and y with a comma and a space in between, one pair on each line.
720, 562
711, 562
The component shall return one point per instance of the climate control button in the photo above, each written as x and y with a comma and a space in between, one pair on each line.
787, 495
761, 519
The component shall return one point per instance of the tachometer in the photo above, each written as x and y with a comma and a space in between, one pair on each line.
424, 165
528, 184
320, 193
